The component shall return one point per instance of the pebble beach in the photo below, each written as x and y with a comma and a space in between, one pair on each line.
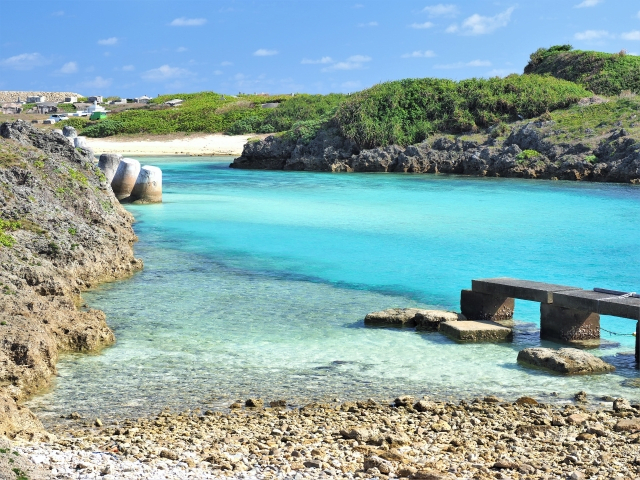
406, 438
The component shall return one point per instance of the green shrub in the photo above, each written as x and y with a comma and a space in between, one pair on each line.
601, 73
104, 128
7, 240
591, 159
527, 155
76, 122
407, 111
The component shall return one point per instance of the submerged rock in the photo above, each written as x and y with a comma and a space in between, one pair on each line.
565, 360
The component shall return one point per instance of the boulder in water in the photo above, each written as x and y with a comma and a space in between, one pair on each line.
569, 361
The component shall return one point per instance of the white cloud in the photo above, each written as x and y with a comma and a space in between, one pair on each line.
98, 82
226, 64
369, 24
473, 63
306, 61
588, 3
188, 22
218, 72
634, 35
453, 28
181, 49
639, 14
69, 67
419, 54
480, 25
24, 61
354, 62
358, 5
421, 25
263, 52
165, 72
441, 10
591, 35
59, 13
108, 41
128, 68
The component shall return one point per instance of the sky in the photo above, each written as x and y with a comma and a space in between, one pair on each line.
130, 48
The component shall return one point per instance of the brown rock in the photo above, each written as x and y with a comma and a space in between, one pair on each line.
254, 403
577, 419
628, 425
526, 401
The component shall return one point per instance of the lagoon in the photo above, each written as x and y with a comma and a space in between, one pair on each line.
256, 283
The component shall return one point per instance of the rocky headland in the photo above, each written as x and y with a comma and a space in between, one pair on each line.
529, 149
62, 231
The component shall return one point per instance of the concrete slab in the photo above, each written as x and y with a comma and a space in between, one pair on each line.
602, 303
474, 331
522, 289
481, 306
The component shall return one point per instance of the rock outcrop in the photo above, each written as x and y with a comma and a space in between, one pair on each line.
62, 231
614, 157
570, 361
411, 317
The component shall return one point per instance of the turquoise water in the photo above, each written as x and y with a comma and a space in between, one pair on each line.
256, 283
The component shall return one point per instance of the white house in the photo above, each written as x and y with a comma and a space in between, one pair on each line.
142, 99
95, 108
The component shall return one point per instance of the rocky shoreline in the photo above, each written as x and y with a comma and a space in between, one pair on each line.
62, 231
406, 438
612, 155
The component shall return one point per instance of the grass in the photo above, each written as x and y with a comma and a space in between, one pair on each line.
211, 112
407, 111
602, 73
527, 155
578, 121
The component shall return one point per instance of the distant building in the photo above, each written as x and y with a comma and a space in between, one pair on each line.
96, 99
11, 108
95, 108
36, 99
270, 105
70, 99
142, 99
122, 101
174, 103
47, 107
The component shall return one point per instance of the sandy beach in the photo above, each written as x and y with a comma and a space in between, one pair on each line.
176, 144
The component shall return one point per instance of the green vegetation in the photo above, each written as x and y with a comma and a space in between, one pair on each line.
601, 73
7, 240
527, 155
72, 231
578, 121
66, 107
407, 111
78, 177
75, 122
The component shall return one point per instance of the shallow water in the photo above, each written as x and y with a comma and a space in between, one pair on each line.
256, 283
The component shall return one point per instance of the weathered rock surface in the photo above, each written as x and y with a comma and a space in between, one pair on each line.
411, 317
71, 234
565, 360
617, 155
476, 331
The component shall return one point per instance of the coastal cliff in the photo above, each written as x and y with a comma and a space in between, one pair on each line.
62, 231
526, 149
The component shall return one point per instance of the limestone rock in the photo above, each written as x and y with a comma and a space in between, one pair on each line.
393, 317
565, 360
431, 319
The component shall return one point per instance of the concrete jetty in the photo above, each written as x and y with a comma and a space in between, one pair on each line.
148, 186
125, 178
567, 314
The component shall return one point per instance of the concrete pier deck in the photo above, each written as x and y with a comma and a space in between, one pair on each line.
567, 314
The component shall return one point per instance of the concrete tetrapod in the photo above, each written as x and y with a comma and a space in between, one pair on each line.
108, 163
125, 178
148, 186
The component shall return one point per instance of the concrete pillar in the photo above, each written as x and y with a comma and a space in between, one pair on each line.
148, 187
481, 306
568, 325
69, 132
80, 142
125, 178
108, 163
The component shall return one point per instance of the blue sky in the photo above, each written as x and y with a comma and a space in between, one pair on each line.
135, 47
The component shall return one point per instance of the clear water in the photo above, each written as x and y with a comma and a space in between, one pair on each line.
256, 284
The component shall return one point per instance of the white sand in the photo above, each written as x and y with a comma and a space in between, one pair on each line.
196, 144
